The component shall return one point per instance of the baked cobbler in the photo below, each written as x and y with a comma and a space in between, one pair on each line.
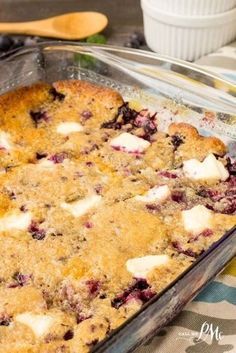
99, 211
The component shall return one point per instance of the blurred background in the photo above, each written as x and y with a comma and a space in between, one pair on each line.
184, 29
125, 16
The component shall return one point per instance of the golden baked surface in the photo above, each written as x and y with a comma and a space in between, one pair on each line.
99, 211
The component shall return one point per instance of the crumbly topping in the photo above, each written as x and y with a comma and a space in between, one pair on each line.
99, 212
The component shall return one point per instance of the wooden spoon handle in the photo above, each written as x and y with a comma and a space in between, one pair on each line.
30, 28
17, 27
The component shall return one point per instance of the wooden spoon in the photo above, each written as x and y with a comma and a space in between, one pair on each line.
75, 25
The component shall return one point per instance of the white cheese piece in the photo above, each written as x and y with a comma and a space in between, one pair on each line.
5, 141
78, 208
69, 127
129, 143
156, 194
39, 324
210, 168
51, 165
197, 219
46, 163
141, 266
19, 221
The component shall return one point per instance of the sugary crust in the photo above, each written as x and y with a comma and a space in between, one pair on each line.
74, 268
16, 101
101, 101
84, 103
194, 145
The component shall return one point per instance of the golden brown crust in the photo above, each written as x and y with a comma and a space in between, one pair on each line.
24, 97
194, 145
84, 103
101, 101
184, 129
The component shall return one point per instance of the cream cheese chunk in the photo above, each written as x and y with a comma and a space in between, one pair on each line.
197, 219
210, 168
5, 140
39, 324
46, 163
129, 143
49, 164
156, 194
15, 220
141, 266
69, 127
80, 207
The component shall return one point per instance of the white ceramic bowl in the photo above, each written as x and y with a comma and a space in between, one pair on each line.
194, 7
187, 37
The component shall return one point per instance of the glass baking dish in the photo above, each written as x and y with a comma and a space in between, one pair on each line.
160, 83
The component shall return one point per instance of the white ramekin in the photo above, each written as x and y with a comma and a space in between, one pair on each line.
194, 7
187, 37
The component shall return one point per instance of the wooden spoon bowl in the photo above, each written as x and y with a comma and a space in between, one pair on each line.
70, 26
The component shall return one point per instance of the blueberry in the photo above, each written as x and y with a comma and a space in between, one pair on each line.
139, 290
36, 232
207, 233
68, 335
177, 196
88, 225
140, 284
86, 114
12, 195
136, 39
30, 41
56, 95
232, 181
40, 155
176, 141
17, 43
5, 320
167, 174
132, 43
128, 116
6, 42
138, 36
189, 252
231, 165
93, 286
23, 208
20, 280
152, 207
81, 317
230, 208
118, 301
38, 116
58, 157
146, 295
